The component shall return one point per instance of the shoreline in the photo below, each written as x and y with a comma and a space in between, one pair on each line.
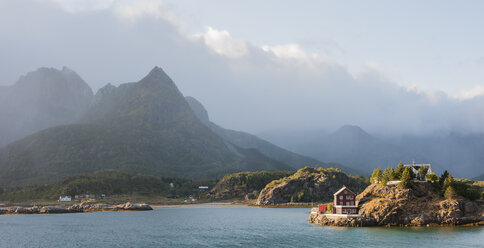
201, 205
83, 207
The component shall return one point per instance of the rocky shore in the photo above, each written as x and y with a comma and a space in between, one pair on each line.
420, 206
76, 208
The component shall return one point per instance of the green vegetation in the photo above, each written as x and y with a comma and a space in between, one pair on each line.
450, 193
406, 178
398, 171
311, 184
376, 176
145, 127
388, 175
109, 182
422, 173
237, 185
446, 184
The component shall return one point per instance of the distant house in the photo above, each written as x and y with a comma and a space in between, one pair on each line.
344, 202
65, 198
202, 187
415, 167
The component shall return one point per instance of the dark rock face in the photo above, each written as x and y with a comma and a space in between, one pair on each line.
419, 206
308, 185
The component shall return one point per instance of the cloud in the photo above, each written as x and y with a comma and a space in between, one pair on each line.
466, 94
293, 53
133, 10
82, 5
243, 86
222, 43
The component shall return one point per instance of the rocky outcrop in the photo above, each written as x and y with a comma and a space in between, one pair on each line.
87, 206
308, 185
237, 185
421, 205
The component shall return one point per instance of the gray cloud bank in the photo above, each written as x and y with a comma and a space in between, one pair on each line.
244, 87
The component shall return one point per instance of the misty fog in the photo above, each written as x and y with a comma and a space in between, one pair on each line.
245, 87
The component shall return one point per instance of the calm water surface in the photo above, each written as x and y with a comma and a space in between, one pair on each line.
216, 227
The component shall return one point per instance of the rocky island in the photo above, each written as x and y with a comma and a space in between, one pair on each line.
419, 205
82, 207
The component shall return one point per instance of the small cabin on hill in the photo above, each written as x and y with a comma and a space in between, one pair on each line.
415, 167
345, 202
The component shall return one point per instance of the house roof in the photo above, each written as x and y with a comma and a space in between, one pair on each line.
413, 164
341, 190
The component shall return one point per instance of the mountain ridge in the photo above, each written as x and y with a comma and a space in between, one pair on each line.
145, 127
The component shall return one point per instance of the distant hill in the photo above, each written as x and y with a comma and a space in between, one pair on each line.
144, 127
479, 178
237, 185
249, 141
355, 148
107, 182
461, 153
41, 99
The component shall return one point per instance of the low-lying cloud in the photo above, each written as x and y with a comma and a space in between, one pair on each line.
245, 87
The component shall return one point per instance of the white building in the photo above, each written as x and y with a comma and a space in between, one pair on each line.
415, 167
65, 198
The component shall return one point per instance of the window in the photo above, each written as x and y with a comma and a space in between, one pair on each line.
341, 197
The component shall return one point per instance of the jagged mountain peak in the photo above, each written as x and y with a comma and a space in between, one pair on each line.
157, 75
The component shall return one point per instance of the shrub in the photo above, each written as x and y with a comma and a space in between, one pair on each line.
450, 193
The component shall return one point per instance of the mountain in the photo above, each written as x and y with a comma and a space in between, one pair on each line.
355, 148
463, 154
249, 141
479, 178
41, 99
144, 127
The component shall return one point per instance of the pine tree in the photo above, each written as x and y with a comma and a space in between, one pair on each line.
449, 181
406, 178
376, 176
422, 172
432, 177
398, 172
387, 176
443, 177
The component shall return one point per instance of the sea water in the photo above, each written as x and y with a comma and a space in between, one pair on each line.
216, 227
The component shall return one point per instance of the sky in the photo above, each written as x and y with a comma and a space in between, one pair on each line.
258, 66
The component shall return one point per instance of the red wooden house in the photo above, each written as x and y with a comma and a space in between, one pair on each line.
345, 202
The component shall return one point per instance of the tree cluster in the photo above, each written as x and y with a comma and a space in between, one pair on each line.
449, 187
